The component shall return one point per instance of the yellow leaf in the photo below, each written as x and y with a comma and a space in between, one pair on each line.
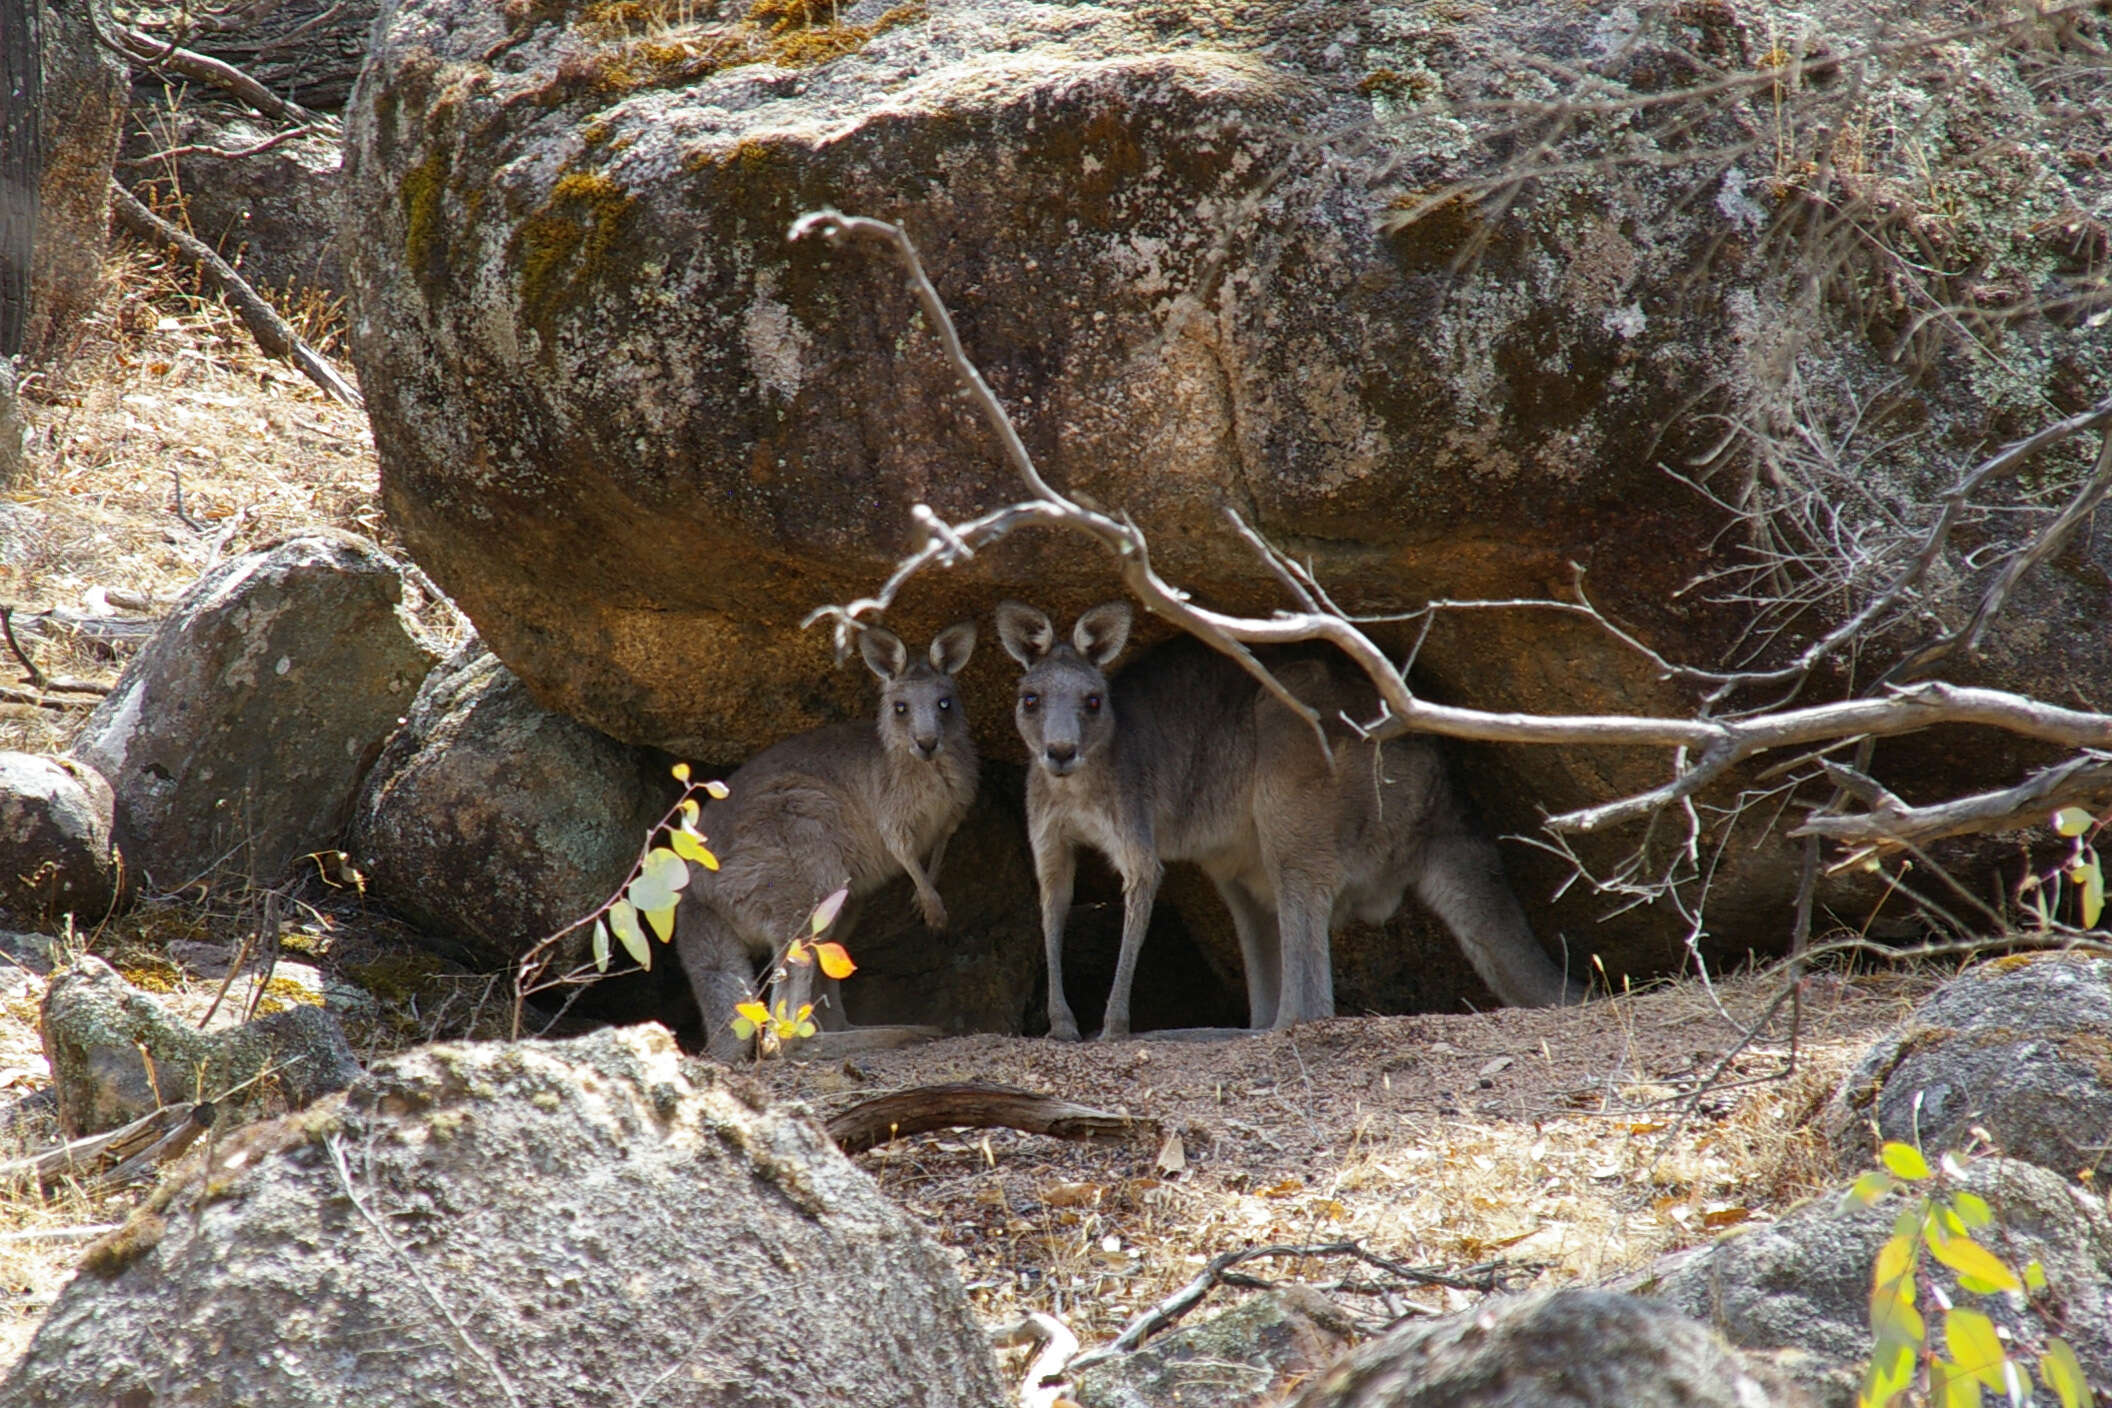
623, 923
1904, 1160
2093, 891
1952, 1387
716, 791
1974, 1346
681, 771
692, 808
1968, 1258
2072, 821
2063, 1373
662, 920
801, 953
835, 961
753, 1011
690, 846
1894, 1259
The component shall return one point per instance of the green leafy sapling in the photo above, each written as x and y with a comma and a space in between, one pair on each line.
1937, 1222
2079, 869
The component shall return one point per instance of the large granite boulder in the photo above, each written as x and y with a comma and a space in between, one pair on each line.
494, 822
237, 735
581, 1224
2017, 1047
1565, 1349
1281, 259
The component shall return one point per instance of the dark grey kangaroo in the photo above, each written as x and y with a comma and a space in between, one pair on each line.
1184, 757
845, 804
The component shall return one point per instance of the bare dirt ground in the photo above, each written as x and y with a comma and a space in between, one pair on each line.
1519, 1147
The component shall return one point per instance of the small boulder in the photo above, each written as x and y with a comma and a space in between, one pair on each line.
239, 732
1797, 1291
1565, 1349
55, 851
547, 1225
1247, 1355
493, 821
2016, 1047
116, 1054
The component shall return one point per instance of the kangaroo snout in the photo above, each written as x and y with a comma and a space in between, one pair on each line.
1060, 758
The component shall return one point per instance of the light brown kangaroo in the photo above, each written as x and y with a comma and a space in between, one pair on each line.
846, 804
1185, 757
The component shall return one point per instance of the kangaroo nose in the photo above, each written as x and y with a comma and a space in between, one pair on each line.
1062, 752
927, 745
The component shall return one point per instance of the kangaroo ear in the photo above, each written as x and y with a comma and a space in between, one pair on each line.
884, 653
951, 648
1102, 632
1025, 633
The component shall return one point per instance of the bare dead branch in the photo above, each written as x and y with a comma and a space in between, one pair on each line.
272, 332
203, 68
1889, 824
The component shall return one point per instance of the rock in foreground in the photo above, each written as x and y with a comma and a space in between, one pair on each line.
563, 1225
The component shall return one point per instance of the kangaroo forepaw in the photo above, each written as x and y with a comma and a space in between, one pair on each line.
934, 910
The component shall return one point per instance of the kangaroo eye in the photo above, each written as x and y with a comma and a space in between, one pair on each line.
900, 708
945, 705
1030, 702
1092, 703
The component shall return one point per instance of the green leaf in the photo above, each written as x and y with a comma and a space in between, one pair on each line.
1872, 1187
742, 1027
662, 920
825, 913
1891, 1371
659, 879
2072, 821
623, 922
1893, 1316
1972, 1210
2034, 1276
601, 946
804, 1029
2093, 891
1905, 1160
2063, 1373
1974, 1346
1974, 1263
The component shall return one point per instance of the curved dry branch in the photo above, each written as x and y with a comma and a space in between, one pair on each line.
1707, 746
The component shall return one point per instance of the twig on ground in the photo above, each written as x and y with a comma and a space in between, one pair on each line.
975, 1105
272, 332
1486, 1277
204, 68
1039, 1386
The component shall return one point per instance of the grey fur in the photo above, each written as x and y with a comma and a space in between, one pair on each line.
847, 804
1184, 757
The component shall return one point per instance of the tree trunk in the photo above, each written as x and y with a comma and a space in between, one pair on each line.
21, 161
